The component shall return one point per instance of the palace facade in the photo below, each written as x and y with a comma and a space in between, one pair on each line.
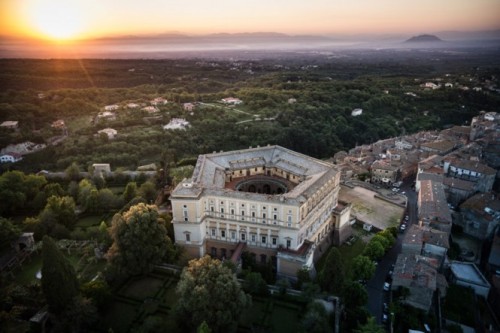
275, 203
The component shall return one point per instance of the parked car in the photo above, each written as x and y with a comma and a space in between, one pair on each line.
386, 308
387, 286
384, 318
402, 228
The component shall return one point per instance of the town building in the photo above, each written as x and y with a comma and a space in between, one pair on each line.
383, 172
482, 175
113, 107
231, 101
10, 158
467, 274
58, 124
10, 124
106, 115
480, 215
158, 101
441, 147
433, 210
356, 112
177, 124
110, 132
150, 109
418, 274
402, 144
276, 204
101, 169
188, 107
133, 105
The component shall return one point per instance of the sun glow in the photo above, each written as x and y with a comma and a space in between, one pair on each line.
58, 20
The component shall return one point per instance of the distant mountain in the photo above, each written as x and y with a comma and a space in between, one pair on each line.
424, 38
251, 37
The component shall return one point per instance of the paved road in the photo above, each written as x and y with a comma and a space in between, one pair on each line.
376, 294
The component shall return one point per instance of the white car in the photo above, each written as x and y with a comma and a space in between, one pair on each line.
387, 286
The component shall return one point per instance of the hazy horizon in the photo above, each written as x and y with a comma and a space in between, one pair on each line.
76, 19
75, 28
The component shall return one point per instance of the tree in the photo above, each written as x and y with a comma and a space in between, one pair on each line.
130, 192
387, 234
148, 191
374, 250
8, 232
331, 277
12, 191
140, 241
371, 326
85, 187
203, 328
382, 240
210, 292
315, 319
59, 210
363, 268
254, 284
303, 277
73, 172
355, 295
59, 282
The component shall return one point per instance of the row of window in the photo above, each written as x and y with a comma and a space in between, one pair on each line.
253, 237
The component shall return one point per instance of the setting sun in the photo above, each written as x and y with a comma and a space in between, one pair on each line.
59, 20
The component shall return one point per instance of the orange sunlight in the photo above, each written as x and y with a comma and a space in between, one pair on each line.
58, 20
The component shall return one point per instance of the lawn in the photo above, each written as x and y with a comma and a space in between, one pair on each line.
143, 288
271, 315
26, 274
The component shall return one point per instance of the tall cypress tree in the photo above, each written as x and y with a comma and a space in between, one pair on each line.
59, 282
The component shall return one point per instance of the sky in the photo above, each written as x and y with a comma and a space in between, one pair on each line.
77, 19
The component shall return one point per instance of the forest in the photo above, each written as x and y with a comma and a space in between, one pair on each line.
302, 102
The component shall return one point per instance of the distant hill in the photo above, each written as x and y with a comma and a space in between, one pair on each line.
424, 38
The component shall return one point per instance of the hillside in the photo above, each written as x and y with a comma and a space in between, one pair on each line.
423, 38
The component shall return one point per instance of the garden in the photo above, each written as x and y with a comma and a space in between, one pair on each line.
153, 297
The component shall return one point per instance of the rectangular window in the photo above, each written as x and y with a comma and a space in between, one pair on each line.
243, 237
253, 238
263, 239
275, 217
232, 211
185, 213
188, 237
275, 240
233, 235
213, 232
289, 218
223, 233
288, 243
253, 214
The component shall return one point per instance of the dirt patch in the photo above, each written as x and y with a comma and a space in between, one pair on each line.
370, 209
